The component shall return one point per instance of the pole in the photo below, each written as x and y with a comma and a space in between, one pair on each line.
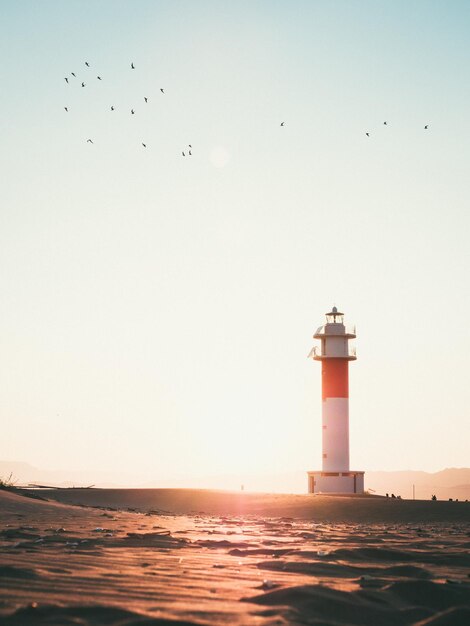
413, 492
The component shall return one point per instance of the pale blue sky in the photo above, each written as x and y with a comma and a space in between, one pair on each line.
156, 311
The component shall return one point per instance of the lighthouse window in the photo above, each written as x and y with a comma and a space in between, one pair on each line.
324, 427
324, 456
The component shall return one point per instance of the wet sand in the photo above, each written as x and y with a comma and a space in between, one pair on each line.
192, 557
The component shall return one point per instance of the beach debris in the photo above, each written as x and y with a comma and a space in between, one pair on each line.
98, 529
268, 584
60, 530
218, 565
323, 553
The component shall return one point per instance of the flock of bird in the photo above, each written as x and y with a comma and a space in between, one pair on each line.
113, 108
188, 149
426, 127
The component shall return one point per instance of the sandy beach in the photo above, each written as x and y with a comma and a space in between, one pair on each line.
202, 557
324, 508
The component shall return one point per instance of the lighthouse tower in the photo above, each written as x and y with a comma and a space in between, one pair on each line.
334, 352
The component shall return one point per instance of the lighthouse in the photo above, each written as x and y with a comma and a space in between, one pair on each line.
335, 353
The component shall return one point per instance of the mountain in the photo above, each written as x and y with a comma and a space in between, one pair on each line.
24, 474
448, 483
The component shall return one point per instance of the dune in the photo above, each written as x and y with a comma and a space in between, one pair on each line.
364, 509
188, 557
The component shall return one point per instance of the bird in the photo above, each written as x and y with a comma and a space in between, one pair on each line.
66, 80
426, 127
183, 154
146, 99
189, 145
89, 141
162, 90
368, 134
145, 145
66, 109
112, 108
73, 74
190, 153
282, 123
83, 84
87, 64
132, 66
385, 123
132, 111
98, 77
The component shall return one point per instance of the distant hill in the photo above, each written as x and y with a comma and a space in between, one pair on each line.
24, 473
448, 483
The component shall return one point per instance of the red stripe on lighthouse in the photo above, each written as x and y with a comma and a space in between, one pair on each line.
335, 379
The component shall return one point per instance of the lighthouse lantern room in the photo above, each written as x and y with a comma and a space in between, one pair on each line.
334, 352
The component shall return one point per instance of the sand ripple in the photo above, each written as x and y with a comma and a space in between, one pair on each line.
65, 568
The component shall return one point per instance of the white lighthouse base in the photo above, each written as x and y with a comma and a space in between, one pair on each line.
335, 482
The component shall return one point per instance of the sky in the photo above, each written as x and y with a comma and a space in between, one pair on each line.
156, 311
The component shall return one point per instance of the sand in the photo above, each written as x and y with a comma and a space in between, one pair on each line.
360, 509
195, 557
